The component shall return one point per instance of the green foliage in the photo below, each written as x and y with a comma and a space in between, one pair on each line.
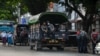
7, 7
36, 6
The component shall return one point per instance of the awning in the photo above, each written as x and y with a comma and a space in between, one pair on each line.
34, 19
53, 17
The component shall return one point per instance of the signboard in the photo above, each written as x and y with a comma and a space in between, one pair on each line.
24, 21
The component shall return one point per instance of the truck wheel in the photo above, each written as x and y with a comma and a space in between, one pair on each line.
60, 48
39, 49
14, 43
31, 47
50, 48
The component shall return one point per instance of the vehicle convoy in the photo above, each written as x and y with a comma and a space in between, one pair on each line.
54, 37
21, 34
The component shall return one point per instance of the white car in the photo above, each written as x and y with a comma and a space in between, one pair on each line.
97, 48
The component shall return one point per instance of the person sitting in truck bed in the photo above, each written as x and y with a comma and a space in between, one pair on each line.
44, 29
51, 29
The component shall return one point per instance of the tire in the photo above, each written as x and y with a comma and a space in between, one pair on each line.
14, 43
50, 48
60, 48
39, 49
31, 47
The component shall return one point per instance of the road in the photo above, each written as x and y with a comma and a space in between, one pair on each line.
25, 51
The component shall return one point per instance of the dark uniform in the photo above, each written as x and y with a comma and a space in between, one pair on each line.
83, 41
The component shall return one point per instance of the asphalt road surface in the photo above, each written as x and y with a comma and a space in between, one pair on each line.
25, 51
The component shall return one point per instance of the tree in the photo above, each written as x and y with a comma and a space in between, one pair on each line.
7, 7
90, 10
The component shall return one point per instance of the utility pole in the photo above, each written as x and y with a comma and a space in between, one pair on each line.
18, 10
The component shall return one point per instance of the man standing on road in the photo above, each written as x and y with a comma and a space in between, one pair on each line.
78, 40
82, 41
94, 36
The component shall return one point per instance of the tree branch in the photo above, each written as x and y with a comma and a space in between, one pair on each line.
80, 14
74, 5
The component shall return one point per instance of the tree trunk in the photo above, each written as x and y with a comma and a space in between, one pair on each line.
87, 23
85, 26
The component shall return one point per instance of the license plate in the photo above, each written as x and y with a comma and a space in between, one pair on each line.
56, 41
53, 41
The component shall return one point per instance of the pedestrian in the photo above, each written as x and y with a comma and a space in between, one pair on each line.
10, 38
78, 40
51, 29
84, 41
94, 36
4, 38
44, 29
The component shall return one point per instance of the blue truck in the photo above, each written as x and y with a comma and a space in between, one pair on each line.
6, 26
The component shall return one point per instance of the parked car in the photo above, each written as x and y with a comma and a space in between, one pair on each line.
97, 48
